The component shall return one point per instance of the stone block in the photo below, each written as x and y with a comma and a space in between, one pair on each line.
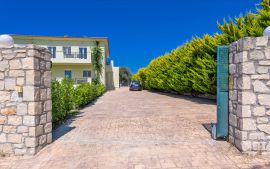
20, 81
49, 116
14, 138
43, 94
18, 145
10, 84
42, 65
19, 151
262, 69
243, 111
267, 53
9, 111
36, 131
2, 75
49, 138
257, 136
49, 95
48, 65
48, 105
15, 64
256, 55
47, 78
258, 146
22, 109
232, 68
48, 128
261, 41
259, 111
16, 73
43, 119
42, 139
3, 119
4, 65
241, 135
268, 112
264, 99
260, 77
31, 142
30, 120
33, 77
34, 108
2, 85
233, 95
247, 68
14, 120
3, 138
6, 148
243, 145
244, 82
260, 87
264, 128
22, 129
264, 63
247, 124
247, 98
261, 120
232, 120
30, 63
31, 93
9, 129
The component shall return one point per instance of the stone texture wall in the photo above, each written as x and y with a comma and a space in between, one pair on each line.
25, 117
249, 102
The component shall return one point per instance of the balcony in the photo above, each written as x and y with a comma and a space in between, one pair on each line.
72, 58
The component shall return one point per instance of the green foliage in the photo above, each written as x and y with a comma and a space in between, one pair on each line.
97, 62
125, 75
191, 68
66, 97
86, 93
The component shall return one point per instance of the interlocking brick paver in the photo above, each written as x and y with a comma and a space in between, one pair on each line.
136, 130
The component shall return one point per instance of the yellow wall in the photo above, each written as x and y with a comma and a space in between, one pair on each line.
58, 71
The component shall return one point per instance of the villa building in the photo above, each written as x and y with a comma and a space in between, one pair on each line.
71, 57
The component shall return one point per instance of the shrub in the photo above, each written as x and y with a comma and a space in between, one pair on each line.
191, 68
66, 97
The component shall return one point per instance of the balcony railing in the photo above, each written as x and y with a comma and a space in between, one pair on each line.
75, 55
80, 80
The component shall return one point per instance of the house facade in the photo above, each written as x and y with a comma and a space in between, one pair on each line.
71, 57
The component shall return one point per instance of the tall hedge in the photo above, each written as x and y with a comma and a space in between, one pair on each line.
191, 68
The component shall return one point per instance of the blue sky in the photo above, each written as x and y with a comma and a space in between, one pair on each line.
139, 30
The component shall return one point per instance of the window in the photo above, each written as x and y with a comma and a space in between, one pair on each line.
67, 50
53, 51
68, 74
83, 53
86, 73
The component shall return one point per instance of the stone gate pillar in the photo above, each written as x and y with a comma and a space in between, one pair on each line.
249, 101
25, 99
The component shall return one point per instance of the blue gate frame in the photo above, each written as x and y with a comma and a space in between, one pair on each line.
222, 127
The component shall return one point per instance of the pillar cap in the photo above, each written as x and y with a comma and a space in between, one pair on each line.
6, 40
267, 32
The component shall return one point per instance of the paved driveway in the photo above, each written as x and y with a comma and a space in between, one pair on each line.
137, 130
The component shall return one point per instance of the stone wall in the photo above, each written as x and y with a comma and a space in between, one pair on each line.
249, 102
25, 99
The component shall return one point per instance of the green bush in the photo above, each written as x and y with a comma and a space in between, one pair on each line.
66, 97
191, 68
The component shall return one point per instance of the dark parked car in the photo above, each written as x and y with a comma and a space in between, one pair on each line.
135, 85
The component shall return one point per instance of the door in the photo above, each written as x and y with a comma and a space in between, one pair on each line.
68, 74
222, 129
83, 53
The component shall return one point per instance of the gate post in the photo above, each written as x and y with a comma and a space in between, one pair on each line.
249, 94
25, 99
